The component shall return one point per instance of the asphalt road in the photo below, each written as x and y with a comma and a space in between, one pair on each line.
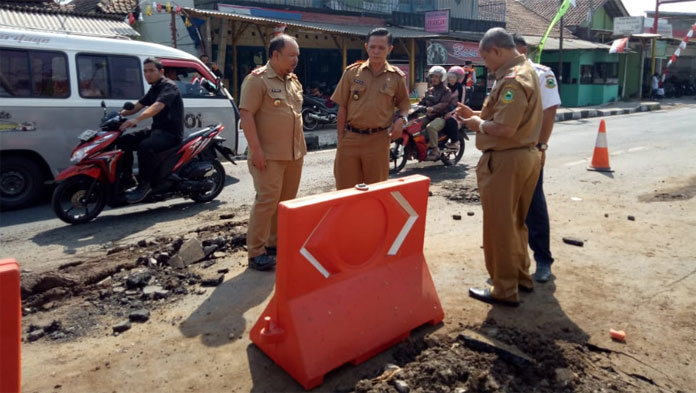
653, 144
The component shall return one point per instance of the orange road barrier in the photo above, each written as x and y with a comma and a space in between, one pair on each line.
600, 158
10, 327
351, 279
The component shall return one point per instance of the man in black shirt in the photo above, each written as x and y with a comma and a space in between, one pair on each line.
166, 108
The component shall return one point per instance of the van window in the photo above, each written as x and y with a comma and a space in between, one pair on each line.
115, 77
191, 84
31, 73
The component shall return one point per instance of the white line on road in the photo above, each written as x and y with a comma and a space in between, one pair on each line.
575, 163
617, 153
639, 148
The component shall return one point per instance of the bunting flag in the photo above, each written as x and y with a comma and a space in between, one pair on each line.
178, 10
169, 8
682, 47
619, 46
187, 22
131, 18
159, 7
148, 10
561, 11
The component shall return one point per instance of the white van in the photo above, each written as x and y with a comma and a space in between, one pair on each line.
51, 89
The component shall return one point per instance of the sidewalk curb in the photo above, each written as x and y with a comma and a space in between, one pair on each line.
587, 113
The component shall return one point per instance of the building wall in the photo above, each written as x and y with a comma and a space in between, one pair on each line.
573, 92
157, 28
631, 72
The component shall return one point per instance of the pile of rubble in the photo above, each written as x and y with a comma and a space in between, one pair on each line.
129, 281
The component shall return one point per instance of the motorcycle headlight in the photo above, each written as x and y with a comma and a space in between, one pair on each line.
81, 153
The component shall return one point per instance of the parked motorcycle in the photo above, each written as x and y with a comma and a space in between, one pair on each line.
95, 179
315, 112
413, 144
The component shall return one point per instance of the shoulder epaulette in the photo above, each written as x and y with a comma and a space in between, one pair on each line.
356, 64
259, 70
512, 74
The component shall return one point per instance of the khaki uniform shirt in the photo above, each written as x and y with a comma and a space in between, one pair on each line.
515, 101
370, 98
276, 104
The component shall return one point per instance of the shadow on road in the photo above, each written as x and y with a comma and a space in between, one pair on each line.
220, 319
44, 212
114, 227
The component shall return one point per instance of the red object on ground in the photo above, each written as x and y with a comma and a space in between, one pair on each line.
10, 327
600, 157
351, 278
618, 335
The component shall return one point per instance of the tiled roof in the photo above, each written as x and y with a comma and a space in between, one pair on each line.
575, 16
65, 22
520, 19
101, 8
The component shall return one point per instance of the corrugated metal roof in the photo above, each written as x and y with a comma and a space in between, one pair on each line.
397, 32
568, 44
65, 23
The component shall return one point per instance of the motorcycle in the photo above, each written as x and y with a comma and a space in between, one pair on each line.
413, 144
315, 112
95, 179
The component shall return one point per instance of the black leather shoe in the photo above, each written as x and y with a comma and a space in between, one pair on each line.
484, 295
138, 194
522, 288
272, 251
262, 262
542, 273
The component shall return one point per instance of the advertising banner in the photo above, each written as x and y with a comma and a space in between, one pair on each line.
437, 21
449, 52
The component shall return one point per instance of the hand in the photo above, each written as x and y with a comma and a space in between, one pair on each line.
128, 124
396, 130
473, 123
258, 160
464, 111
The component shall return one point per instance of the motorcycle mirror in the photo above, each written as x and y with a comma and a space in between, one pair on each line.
128, 106
103, 104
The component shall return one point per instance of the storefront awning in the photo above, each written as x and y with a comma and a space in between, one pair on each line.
331, 28
568, 44
65, 23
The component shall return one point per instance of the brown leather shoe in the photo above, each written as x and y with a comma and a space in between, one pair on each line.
485, 296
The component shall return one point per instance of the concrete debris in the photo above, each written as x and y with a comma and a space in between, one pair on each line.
573, 241
121, 327
469, 214
401, 386
141, 315
564, 376
480, 342
223, 271
35, 335
219, 254
631, 218
456, 216
208, 250
191, 251
212, 281
176, 262
226, 216
138, 279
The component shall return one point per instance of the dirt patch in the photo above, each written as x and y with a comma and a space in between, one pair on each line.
80, 296
452, 364
680, 193
461, 193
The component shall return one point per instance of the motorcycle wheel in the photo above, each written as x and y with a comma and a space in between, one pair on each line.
71, 203
397, 156
219, 178
452, 157
308, 124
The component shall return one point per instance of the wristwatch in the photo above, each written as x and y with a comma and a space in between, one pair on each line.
404, 118
542, 146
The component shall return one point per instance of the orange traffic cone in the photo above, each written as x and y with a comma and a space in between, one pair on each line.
600, 158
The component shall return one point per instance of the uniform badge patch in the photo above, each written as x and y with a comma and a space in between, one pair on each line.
356, 80
276, 90
550, 82
508, 96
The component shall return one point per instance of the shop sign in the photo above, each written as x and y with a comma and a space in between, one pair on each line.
437, 21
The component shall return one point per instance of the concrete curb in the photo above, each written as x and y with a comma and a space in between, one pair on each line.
587, 113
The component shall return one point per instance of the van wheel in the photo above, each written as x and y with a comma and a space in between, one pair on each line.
21, 182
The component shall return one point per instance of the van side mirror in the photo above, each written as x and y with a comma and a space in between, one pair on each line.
103, 104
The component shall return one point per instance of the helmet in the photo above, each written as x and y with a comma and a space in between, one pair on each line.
438, 70
458, 72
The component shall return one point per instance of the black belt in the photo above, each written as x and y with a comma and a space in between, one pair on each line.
365, 131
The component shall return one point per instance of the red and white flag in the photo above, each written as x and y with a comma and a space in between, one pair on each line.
619, 46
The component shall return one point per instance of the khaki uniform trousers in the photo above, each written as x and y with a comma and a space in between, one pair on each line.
361, 158
506, 182
278, 182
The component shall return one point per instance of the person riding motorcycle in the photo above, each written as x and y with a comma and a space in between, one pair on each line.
437, 101
166, 108
455, 79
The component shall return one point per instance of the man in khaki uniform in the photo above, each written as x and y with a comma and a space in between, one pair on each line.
271, 117
507, 130
367, 94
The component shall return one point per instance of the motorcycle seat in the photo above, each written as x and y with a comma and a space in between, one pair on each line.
196, 134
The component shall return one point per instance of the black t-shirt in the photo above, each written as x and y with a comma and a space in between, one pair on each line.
171, 118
